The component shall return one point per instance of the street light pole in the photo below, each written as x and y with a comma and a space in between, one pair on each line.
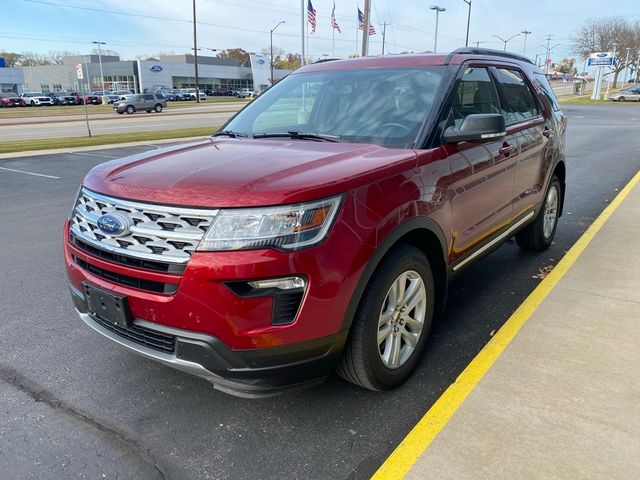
437, 9
104, 96
466, 41
525, 33
507, 40
271, 57
478, 43
195, 52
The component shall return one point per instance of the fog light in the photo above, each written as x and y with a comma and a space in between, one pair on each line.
287, 283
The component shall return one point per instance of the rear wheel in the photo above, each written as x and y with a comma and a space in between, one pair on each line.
158, 108
392, 322
621, 99
130, 109
538, 235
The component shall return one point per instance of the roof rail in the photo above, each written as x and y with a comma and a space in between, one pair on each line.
323, 60
489, 51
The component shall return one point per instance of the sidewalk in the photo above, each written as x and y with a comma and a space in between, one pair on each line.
561, 397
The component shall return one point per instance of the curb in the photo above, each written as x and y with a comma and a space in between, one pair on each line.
89, 148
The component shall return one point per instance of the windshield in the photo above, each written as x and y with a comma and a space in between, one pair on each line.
385, 106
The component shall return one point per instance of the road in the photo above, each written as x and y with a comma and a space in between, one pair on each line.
76, 405
31, 128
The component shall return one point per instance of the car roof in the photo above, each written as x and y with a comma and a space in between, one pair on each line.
456, 57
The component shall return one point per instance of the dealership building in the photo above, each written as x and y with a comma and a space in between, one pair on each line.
173, 71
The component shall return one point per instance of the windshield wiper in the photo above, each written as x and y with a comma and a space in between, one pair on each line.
299, 136
229, 133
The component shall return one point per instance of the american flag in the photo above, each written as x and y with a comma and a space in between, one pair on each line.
372, 31
334, 23
311, 16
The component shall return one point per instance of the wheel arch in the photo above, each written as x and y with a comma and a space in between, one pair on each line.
422, 233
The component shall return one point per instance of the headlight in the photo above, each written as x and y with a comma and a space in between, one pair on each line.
288, 227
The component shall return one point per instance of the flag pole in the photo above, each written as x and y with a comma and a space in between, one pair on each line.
302, 23
333, 41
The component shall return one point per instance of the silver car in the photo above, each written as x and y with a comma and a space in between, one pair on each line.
149, 102
628, 94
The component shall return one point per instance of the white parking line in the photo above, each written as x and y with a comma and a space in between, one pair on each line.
29, 173
93, 154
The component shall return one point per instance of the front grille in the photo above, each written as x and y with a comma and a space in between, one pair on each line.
157, 233
126, 280
161, 342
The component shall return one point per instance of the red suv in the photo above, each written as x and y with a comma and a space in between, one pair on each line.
319, 228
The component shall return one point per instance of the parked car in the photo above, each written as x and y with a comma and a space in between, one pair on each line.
11, 100
83, 98
296, 242
169, 94
243, 93
224, 92
36, 99
121, 93
628, 94
148, 102
190, 94
111, 96
62, 98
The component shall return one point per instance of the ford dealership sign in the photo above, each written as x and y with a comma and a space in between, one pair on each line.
155, 68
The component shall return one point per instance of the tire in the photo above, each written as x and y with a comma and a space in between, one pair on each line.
363, 361
621, 99
33, 104
119, 113
148, 111
130, 109
535, 236
158, 108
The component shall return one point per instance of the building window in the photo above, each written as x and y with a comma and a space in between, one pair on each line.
44, 88
57, 87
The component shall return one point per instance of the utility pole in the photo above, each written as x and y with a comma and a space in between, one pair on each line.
626, 67
466, 41
195, 52
525, 33
365, 28
384, 35
478, 44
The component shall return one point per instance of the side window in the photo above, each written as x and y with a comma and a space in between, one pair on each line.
517, 103
475, 94
543, 83
148, 97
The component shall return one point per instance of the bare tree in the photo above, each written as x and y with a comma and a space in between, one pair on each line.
601, 34
105, 51
30, 59
11, 59
56, 56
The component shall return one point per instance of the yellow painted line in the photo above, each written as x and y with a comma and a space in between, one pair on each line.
420, 437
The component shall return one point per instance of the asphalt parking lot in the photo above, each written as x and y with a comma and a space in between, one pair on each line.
75, 405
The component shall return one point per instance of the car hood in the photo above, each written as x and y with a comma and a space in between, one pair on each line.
246, 172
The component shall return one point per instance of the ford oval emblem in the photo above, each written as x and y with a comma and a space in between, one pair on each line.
114, 224
261, 62
156, 68
602, 54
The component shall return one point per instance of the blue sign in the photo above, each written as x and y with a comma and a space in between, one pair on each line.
601, 59
155, 68
261, 61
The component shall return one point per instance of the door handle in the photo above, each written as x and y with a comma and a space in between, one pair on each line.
546, 132
506, 149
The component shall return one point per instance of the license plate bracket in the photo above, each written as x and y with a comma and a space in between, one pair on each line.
108, 306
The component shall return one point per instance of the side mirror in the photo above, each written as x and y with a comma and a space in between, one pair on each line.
479, 127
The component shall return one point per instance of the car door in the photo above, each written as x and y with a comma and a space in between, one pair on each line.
482, 173
531, 130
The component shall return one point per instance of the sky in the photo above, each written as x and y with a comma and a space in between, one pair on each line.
44, 25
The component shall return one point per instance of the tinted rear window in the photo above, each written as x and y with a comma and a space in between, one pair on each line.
543, 83
518, 103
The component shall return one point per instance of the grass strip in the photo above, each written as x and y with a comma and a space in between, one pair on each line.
112, 138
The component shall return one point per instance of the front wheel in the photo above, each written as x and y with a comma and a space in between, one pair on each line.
158, 108
392, 322
621, 99
130, 109
537, 236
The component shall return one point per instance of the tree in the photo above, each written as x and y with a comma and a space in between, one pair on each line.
238, 54
292, 61
105, 52
56, 56
278, 54
30, 59
146, 56
600, 35
11, 59
566, 66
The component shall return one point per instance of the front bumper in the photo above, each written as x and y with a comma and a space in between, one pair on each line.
249, 373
